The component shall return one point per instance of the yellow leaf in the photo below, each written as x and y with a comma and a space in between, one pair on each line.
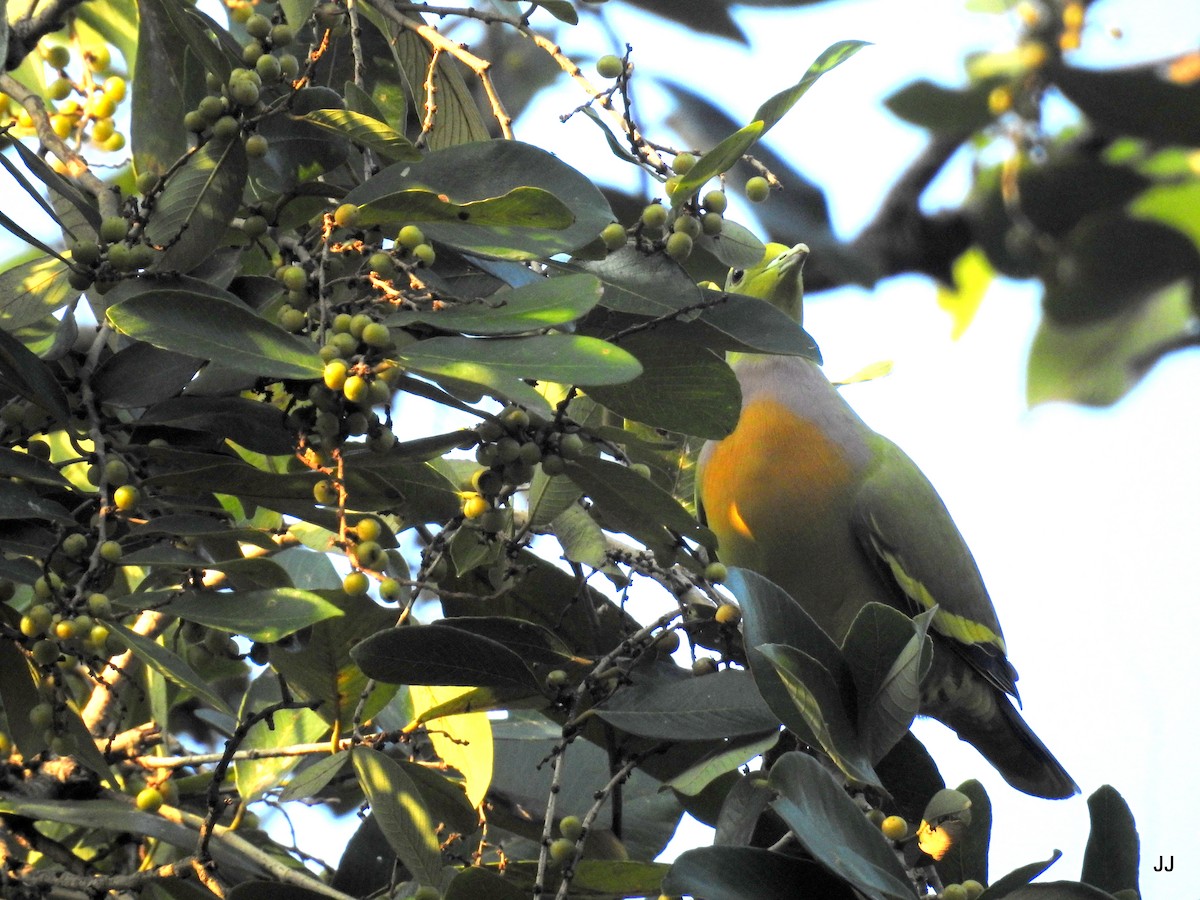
973, 275
464, 741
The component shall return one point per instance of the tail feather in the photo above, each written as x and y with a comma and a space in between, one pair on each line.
983, 716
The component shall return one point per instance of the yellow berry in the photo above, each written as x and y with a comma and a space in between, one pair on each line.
368, 529
474, 506
894, 828
335, 373
346, 215
126, 497
728, 615
356, 584
149, 799
356, 389
1000, 101
115, 88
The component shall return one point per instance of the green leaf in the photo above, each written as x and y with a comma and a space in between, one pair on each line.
581, 537
19, 503
196, 206
560, 358
831, 57
888, 662
968, 856
478, 883
531, 641
599, 879
682, 388
628, 502
941, 109
720, 158
214, 325
834, 830
1134, 101
1059, 890
724, 704
261, 615
400, 811
172, 45
1020, 877
561, 10
24, 374
545, 303
254, 777
751, 873
367, 132
728, 757
816, 698
310, 780
439, 654
1098, 363
1110, 860
522, 207
30, 468
488, 171
170, 665
645, 285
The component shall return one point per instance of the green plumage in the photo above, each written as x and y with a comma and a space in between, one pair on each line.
806, 494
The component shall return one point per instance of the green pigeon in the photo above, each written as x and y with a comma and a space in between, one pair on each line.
804, 493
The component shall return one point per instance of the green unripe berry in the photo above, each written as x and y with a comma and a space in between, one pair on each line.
562, 850
111, 552
75, 545
226, 128
667, 642
381, 262
757, 189
194, 121
376, 335
712, 223
59, 89
57, 57
325, 493
44, 652
120, 257
99, 606
390, 589
679, 246
358, 323
355, 584
954, 892
268, 68
571, 827
282, 35
86, 252
41, 716
294, 278
609, 66
410, 237
258, 26
289, 66
684, 163
80, 281
973, 888
257, 146
654, 216
688, 225
346, 215
613, 236
346, 344
254, 226
716, 572
149, 799
113, 229
292, 320
424, 254
571, 446
252, 53
715, 201
553, 464
876, 816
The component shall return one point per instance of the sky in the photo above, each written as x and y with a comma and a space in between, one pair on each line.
1082, 521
